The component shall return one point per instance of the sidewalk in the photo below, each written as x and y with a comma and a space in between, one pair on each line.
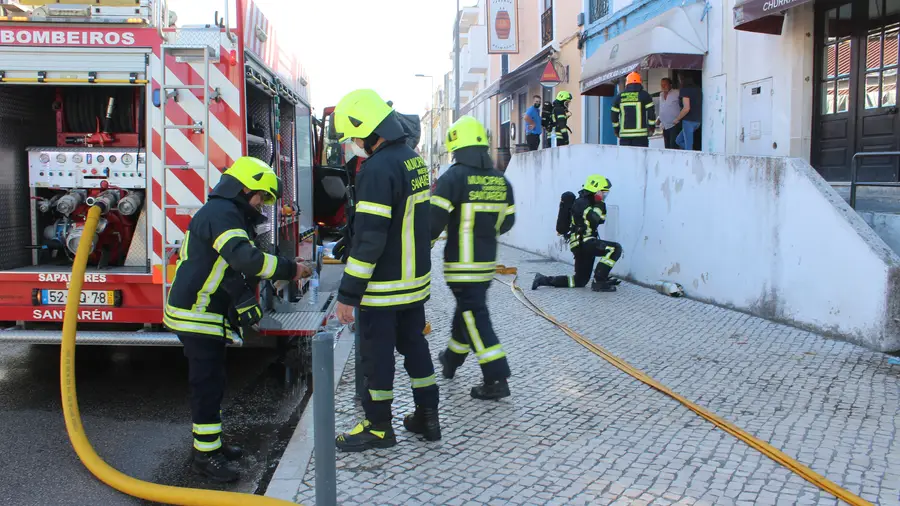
579, 431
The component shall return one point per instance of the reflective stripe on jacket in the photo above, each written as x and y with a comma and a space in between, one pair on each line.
474, 202
390, 257
633, 113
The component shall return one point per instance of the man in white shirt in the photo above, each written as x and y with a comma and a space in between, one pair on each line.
669, 109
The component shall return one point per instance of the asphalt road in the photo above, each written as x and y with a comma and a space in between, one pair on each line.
134, 402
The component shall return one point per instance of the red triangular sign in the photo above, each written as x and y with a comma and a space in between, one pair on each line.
550, 74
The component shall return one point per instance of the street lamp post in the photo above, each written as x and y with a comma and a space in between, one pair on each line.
431, 119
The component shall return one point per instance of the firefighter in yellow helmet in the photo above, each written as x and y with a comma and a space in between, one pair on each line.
633, 114
578, 221
388, 273
212, 301
560, 118
474, 203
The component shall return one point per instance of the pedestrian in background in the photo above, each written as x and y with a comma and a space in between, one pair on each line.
669, 108
691, 98
533, 125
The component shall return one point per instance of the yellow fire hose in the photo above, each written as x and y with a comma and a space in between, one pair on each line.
103, 471
765, 448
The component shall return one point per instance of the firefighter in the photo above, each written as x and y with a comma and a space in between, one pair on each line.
588, 212
476, 201
633, 114
212, 301
388, 273
560, 117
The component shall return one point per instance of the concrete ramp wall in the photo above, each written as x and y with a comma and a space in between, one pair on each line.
763, 235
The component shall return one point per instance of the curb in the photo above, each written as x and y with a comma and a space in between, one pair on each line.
288, 477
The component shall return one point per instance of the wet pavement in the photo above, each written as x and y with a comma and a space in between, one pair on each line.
135, 407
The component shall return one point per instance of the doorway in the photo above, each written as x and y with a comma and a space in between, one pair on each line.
856, 96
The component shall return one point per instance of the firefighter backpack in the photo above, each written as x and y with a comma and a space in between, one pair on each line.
564, 217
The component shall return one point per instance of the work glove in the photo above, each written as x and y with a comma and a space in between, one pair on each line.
341, 249
248, 312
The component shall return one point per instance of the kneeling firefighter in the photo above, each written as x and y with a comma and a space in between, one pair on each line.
578, 221
388, 273
212, 300
476, 201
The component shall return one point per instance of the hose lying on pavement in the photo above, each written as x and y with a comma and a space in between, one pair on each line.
765, 448
103, 471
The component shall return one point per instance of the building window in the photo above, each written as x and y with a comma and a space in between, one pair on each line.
504, 64
835, 79
547, 23
599, 9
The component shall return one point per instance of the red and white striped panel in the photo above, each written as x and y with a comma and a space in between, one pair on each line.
185, 187
285, 63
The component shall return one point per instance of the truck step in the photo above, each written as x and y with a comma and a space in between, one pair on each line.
90, 337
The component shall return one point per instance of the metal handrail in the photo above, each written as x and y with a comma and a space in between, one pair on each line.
853, 174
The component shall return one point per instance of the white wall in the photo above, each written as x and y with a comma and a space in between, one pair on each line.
760, 234
737, 57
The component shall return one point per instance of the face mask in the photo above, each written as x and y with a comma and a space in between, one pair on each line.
604, 194
358, 151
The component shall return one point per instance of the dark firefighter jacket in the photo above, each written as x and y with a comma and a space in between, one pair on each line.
587, 215
474, 202
218, 263
560, 117
633, 113
389, 266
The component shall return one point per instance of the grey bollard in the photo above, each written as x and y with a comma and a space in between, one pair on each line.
323, 418
358, 368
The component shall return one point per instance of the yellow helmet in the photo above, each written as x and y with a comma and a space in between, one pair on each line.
563, 96
256, 175
359, 113
597, 183
465, 132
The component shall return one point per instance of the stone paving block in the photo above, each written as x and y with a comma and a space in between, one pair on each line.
831, 404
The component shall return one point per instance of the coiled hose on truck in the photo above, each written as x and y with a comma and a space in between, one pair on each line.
103, 471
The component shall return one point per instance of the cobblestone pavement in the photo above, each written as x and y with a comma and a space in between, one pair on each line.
579, 431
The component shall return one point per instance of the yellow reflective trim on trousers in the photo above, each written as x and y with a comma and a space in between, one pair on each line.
207, 429
491, 354
216, 275
373, 208
395, 286
204, 446
381, 395
468, 278
470, 266
571, 281
607, 259
359, 269
474, 335
228, 235
269, 264
442, 203
423, 382
458, 347
467, 233
395, 300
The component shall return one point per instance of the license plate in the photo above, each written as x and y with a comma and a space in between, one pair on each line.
88, 297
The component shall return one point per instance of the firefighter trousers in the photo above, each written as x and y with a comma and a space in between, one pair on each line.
206, 376
381, 331
472, 330
638, 142
605, 251
562, 138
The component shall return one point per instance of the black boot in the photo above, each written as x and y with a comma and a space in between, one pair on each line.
491, 391
614, 281
214, 466
603, 286
447, 369
232, 452
424, 421
540, 280
366, 436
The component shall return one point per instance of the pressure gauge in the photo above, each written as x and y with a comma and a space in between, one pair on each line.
45, 158
112, 158
100, 158
61, 158
77, 158
127, 159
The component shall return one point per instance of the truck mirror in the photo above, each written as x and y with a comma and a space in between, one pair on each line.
332, 134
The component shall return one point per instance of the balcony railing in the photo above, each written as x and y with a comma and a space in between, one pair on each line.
547, 27
599, 9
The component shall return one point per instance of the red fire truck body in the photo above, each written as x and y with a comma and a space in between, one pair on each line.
111, 102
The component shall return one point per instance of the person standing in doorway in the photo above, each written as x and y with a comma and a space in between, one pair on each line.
691, 98
633, 115
533, 124
669, 108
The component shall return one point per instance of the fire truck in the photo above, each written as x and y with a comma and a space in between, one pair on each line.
109, 102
